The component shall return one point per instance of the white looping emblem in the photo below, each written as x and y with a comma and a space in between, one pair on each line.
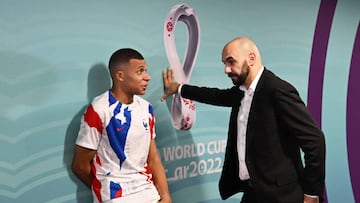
183, 111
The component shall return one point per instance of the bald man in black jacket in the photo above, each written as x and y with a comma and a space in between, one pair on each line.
269, 126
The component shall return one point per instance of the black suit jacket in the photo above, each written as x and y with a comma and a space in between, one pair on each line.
279, 126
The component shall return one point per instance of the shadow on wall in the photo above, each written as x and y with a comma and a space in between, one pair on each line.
98, 82
168, 138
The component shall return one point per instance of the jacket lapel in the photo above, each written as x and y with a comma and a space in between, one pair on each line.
252, 113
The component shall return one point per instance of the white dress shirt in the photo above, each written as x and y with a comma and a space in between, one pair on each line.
242, 124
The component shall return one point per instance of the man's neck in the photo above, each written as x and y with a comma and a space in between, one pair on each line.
121, 96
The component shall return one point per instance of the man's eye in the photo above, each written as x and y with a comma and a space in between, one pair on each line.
140, 71
230, 62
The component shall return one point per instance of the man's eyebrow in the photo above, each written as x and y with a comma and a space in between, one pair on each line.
227, 59
140, 67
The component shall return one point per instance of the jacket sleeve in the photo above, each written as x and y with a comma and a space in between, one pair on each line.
299, 122
213, 96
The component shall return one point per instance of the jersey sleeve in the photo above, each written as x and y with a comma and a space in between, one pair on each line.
91, 128
152, 121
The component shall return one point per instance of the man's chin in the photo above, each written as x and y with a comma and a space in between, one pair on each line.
236, 82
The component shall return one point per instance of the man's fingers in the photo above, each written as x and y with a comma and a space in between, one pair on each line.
170, 74
170, 87
163, 97
165, 74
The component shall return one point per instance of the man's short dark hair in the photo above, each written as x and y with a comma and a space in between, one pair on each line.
122, 57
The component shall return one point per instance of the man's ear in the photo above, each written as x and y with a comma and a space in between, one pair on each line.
119, 75
251, 59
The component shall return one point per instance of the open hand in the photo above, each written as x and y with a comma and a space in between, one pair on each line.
170, 86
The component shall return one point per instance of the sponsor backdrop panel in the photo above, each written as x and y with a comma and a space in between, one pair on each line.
53, 61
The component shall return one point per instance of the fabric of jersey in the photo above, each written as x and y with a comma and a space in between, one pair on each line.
121, 135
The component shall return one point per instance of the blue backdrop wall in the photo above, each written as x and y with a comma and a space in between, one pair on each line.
53, 61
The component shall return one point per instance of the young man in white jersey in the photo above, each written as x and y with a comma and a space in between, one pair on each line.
115, 152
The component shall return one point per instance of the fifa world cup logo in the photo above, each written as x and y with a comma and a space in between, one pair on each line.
183, 111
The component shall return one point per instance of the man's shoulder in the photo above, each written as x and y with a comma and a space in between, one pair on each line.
274, 81
101, 101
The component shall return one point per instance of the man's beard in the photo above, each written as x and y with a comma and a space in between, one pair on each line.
240, 78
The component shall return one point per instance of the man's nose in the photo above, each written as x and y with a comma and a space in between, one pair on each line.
147, 77
227, 69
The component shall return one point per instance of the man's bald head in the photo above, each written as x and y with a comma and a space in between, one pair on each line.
243, 45
242, 60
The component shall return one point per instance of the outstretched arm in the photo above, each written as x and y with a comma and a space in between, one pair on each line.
170, 85
213, 96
